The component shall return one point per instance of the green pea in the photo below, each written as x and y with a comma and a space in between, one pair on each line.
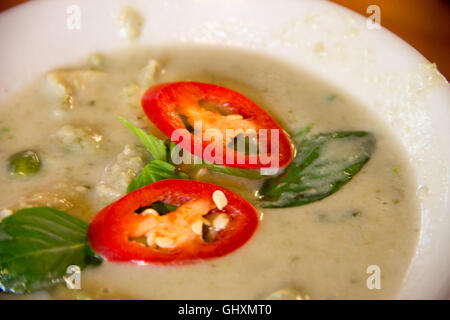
24, 163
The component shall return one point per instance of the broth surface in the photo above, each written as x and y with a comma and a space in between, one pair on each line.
88, 157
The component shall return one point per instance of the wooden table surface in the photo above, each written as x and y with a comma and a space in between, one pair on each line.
425, 24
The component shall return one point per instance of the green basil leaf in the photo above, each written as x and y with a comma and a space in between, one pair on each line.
300, 135
249, 174
36, 247
163, 208
154, 171
322, 165
170, 145
155, 146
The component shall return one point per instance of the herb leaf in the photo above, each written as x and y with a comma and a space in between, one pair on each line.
154, 171
164, 169
154, 145
323, 164
161, 207
244, 173
36, 247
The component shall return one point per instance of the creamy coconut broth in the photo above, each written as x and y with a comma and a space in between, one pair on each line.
322, 250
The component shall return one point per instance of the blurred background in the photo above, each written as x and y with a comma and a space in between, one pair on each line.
425, 24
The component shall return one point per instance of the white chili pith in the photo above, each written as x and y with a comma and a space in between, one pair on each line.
180, 231
220, 200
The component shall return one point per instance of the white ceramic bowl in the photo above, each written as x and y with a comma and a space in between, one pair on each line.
374, 66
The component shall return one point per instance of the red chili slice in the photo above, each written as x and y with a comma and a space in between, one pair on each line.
178, 105
114, 230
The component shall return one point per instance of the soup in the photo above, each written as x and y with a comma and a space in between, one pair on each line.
326, 249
